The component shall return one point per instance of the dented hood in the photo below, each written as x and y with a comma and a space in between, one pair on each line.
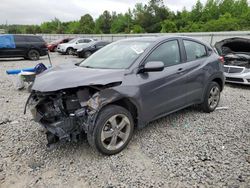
69, 76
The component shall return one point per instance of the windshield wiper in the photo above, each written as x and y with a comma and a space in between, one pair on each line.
86, 66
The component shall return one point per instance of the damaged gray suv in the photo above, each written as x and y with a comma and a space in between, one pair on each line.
126, 84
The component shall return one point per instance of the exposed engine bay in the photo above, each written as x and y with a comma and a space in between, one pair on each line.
236, 51
65, 114
238, 59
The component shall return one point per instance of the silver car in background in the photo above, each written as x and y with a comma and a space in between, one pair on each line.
68, 48
236, 53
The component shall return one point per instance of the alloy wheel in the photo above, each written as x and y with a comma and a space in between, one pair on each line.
115, 132
214, 97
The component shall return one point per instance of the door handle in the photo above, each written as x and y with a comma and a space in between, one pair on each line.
180, 70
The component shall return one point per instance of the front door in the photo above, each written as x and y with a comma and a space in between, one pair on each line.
165, 91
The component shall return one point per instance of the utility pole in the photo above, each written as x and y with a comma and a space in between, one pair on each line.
6, 26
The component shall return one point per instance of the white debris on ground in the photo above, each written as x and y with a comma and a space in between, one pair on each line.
188, 148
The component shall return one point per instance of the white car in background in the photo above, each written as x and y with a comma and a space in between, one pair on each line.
68, 48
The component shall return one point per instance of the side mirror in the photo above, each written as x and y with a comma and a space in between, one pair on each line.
152, 66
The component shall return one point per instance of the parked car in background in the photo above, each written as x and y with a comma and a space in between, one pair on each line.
26, 46
90, 48
127, 83
53, 45
68, 48
236, 53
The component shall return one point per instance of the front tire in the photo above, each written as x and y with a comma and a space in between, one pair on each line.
69, 51
87, 54
212, 97
113, 130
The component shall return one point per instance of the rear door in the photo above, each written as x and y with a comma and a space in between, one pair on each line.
22, 45
196, 59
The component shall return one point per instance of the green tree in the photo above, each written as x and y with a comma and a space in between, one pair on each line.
137, 29
32, 29
54, 26
103, 23
86, 24
119, 24
224, 23
211, 11
196, 12
150, 16
168, 26
73, 27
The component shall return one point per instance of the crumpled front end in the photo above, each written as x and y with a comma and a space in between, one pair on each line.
69, 113
65, 114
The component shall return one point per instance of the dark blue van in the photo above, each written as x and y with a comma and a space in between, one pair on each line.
26, 46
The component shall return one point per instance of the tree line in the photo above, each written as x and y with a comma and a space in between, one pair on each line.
153, 17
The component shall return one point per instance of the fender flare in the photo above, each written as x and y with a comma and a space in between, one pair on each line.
104, 98
214, 76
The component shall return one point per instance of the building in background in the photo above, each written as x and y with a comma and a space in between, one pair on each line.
2, 31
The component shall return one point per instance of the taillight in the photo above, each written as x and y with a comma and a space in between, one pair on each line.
221, 59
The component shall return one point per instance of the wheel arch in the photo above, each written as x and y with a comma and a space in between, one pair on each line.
219, 81
32, 48
128, 105
218, 78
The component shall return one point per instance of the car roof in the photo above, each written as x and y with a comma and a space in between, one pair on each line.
26, 35
160, 38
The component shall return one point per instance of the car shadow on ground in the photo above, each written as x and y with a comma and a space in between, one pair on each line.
169, 121
11, 59
22, 59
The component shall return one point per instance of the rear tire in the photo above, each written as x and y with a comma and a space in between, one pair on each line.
33, 55
212, 97
112, 131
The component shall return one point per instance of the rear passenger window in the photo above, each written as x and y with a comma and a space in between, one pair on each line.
194, 50
168, 53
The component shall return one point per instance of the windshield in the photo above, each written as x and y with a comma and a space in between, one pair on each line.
118, 55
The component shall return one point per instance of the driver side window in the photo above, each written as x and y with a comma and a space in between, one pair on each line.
168, 53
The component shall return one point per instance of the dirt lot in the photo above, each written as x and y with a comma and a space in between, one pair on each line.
186, 149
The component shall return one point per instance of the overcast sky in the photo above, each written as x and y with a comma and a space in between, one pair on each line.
38, 11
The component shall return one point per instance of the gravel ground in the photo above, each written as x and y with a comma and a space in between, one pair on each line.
186, 149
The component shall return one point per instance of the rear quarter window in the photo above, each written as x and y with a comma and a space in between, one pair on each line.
194, 50
87, 40
34, 39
